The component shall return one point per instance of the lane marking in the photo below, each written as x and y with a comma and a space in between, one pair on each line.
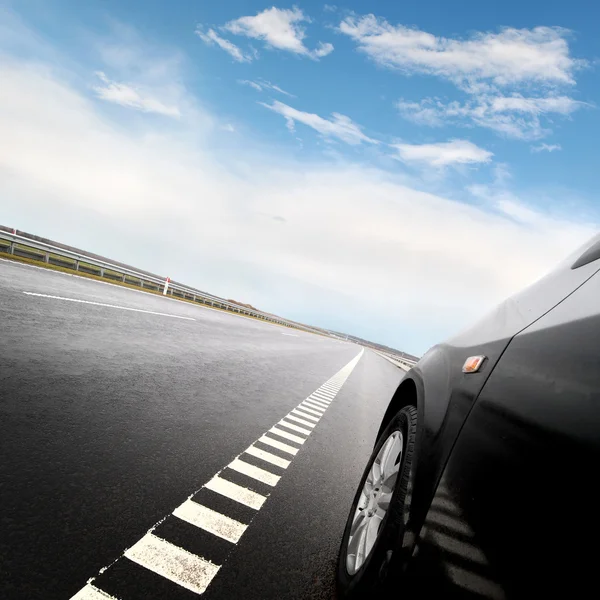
148, 312
290, 334
268, 457
89, 592
196, 572
287, 436
279, 445
298, 420
180, 566
310, 410
294, 427
236, 492
210, 520
255, 472
305, 415
323, 396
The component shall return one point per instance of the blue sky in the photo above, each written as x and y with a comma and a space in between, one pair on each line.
391, 170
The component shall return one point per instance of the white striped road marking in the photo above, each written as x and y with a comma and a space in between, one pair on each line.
293, 418
268, 457
306, 405
255, 472
89, 592
294, 427
174, 563
318, 402
326, 397
277, 444
148, 312
305, 415
236, 492
196, 572
314, 403
210, 520
310, 410
331, 388
286, 435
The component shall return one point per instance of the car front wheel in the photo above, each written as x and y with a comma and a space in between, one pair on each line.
379, 513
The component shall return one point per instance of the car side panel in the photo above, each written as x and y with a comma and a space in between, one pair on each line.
517, 510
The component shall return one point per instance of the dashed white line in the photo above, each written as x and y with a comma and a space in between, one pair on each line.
279, 445
236, 492
89, 592
210, 520
294, 427
174, 563
255, 472
148, 312
305, 415
268, 457
287, 436
297, 420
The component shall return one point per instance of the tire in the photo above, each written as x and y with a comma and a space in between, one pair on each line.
358, 578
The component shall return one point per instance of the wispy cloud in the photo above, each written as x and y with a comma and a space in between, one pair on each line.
546, 148
281, 29
515, 116
512, 56
133, 97
339, 126
443, 154
261, 85
212, 38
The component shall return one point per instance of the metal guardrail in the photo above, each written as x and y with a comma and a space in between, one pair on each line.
27, 248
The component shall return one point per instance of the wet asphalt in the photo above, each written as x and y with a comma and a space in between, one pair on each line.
109, 419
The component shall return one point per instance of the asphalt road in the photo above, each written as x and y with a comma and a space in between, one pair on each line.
116, 406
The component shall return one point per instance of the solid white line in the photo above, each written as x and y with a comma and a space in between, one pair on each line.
268, 457
286, 435
304, 415
313, 405
176, 564
279, 445
90, 592
235, 492
302, 421
148, 312
290, 334
294, 427
255, 472
210, 520
310, 410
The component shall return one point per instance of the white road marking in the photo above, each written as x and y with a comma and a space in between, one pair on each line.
268, 457
286, 435
148, 312
306, 405
294, 427
304, 415
90, 592
279, 445
302, 421
255, 472
236, 492
324, 395
317, 402
332, 388
176, 564
310, 410
210, 520
290, 334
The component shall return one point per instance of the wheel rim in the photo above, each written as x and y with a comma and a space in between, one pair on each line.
374, 502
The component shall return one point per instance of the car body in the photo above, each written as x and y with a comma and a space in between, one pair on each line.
505, 498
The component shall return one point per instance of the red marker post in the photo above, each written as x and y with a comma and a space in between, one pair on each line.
166, 286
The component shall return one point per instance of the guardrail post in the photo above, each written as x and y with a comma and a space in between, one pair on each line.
47, 257
76, 265
11, 248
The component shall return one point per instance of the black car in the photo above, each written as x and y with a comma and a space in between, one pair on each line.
485, 477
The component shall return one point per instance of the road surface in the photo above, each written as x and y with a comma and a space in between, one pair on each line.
119, 408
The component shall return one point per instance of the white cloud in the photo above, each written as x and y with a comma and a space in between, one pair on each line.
515, 116
512, 56
211, 37
546, 148
133, 97
279, 28
340, 126
263, 84
328, 252
228, 127
329, 7
454, 152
